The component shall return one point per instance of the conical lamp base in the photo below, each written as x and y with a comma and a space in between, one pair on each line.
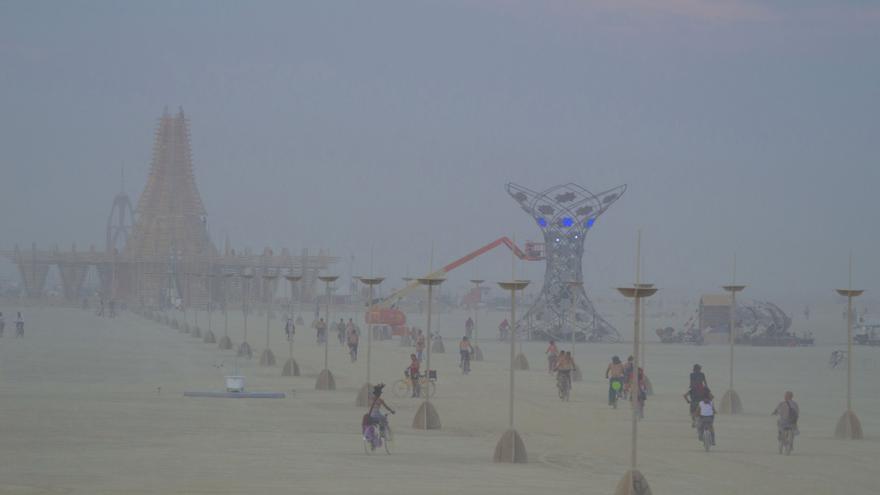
426, 417
633, 483
244, 350
438, 347
730, 403
225, 343
849, 427
325, 381
520, 362
267, 358
478, 353
290, 368
209, 338
364, 395
510, 448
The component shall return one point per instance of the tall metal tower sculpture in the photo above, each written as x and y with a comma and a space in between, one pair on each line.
565, 213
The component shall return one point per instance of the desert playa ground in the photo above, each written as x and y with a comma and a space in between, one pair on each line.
92, 405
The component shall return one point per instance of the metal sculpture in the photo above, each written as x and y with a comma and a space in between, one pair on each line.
565, 213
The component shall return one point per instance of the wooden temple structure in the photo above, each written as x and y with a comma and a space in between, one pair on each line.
161, 250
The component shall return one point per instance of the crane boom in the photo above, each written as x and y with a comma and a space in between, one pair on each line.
526, 256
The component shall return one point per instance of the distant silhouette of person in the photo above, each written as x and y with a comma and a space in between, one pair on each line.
19, 326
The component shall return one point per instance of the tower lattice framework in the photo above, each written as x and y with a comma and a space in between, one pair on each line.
565, 214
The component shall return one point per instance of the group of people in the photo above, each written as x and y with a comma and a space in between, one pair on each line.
620, 382
702, 407
19, 325
348, 334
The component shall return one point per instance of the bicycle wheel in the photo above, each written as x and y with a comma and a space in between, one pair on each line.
401, 389
789, 441
387, 438
707, 439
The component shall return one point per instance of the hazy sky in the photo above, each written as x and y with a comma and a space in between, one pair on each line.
738, 125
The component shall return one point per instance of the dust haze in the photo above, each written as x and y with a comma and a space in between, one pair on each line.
379, 139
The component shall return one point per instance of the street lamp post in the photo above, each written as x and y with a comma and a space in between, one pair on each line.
209, 335
426, 417
267, 358
225, 342
196, 331
633, 482
478, 353
245, 349
511, 448
363, 397
291, 368
325, 378
649, 389
731, 403
849, 426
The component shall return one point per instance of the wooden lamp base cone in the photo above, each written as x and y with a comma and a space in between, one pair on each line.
510, 448
267, 358
478, 353
225, 343
633, 483
325, 381
364, 395
426, 417
521, 363
244, 350
290, 368
731, 403
849, 427
209, 338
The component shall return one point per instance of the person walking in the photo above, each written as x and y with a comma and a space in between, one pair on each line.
19, 326
353, 340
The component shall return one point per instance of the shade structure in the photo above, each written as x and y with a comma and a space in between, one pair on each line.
225, 343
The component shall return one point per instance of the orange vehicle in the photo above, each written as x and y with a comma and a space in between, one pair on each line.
392, 318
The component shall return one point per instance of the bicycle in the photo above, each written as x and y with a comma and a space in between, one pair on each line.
427, 385
705, 432
786, 441
376, 434
615, 385
563, 384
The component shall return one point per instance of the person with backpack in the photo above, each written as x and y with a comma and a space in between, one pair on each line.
788, 412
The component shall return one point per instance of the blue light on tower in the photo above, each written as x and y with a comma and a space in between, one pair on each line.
542, 222
567, 221
590, 222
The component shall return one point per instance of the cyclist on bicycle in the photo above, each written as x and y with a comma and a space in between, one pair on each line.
465, 349
374, 416
707, 415
552, 355
564, 365
413, 372
788, 412
696, 391
614, 373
